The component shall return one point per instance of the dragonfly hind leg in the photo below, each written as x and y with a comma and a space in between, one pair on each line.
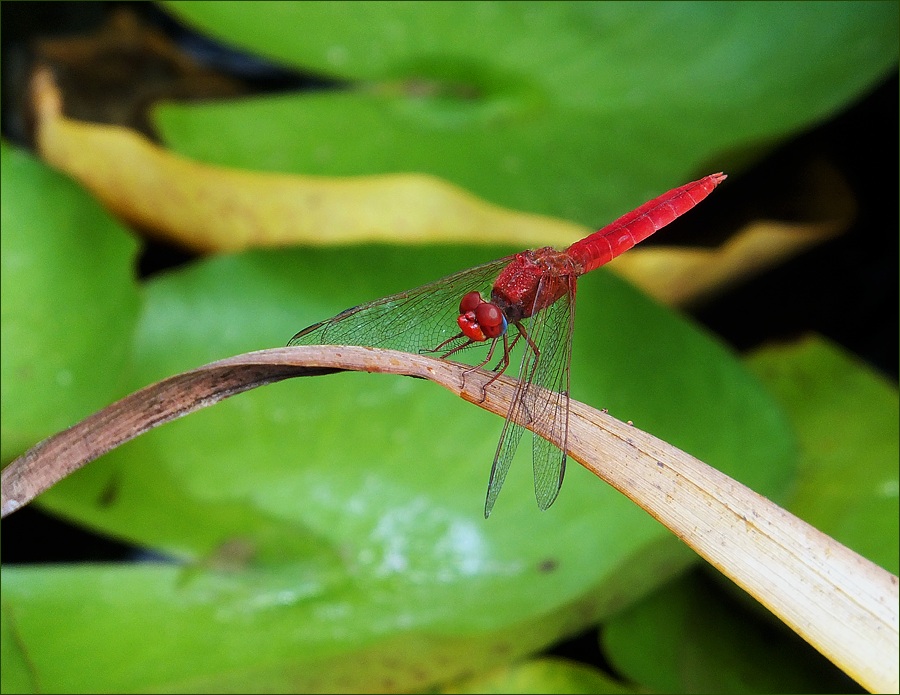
498, 369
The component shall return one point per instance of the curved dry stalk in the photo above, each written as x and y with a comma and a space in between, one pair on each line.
841, 603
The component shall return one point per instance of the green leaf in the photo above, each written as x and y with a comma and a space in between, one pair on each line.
846, 419
154, 628
540, 676
15, 676
69, 303
340, 516
576, 110
691, 637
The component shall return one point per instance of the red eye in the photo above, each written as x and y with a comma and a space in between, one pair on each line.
470, 328
491, 319
470, 302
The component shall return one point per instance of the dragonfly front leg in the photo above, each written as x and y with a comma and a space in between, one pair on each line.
449, 341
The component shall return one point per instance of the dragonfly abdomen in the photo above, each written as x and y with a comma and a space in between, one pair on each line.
630, 229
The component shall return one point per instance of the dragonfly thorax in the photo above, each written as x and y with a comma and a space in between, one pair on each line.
532, 281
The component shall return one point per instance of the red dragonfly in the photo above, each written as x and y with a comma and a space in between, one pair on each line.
532, 291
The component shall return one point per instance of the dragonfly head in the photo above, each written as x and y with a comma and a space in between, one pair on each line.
480, 320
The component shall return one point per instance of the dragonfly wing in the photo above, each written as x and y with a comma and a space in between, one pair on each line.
510, 436
549, 404
550, 331
416, 320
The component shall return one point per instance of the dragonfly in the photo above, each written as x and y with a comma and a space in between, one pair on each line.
526, 299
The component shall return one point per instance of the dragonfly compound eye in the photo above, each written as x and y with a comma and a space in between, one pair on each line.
468, 324
491, 319
470, 302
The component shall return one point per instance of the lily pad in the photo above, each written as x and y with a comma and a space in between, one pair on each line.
541, 676
845, 415
576, 110
337, 520
69, 303
691, 637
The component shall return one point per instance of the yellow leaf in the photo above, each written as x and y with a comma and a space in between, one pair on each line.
209, 208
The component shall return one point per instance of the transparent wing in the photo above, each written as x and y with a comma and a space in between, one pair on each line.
416, 320
551, 405
421, 319
509, 437
550, 332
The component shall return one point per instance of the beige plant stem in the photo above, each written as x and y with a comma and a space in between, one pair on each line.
841, 603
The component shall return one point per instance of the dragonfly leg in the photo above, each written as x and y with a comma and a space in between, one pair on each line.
524, 334
501, 366
468, 343
498, 369
532, 370
487, 358
442, 346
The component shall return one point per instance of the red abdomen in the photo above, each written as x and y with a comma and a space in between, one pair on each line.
616, 238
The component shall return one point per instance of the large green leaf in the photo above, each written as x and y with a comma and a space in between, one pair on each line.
340, 517
578, 110
846, 419
541, 676
69, 303
691, 637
